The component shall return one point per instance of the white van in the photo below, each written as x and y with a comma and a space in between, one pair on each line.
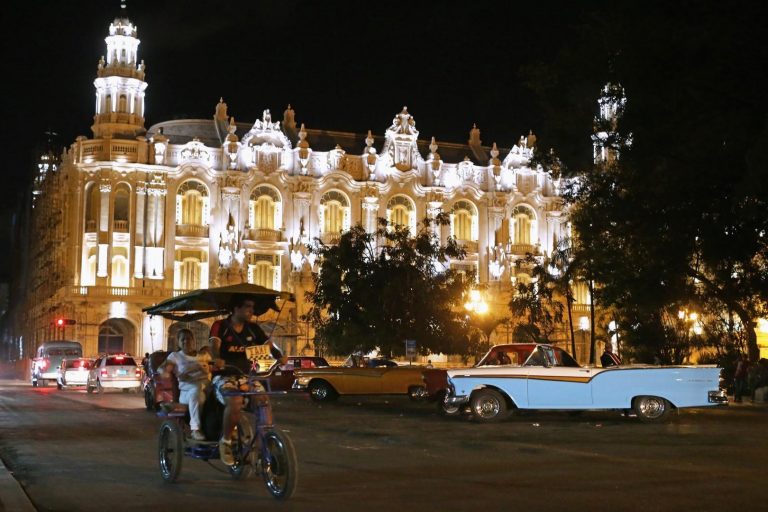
47, 360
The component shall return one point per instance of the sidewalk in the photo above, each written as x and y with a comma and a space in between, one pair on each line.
12, 496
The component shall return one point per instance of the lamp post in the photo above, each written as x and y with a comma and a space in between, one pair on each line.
583, 328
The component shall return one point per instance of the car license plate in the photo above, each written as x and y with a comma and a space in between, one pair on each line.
122, 372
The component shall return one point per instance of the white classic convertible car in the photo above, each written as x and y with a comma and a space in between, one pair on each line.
538, 376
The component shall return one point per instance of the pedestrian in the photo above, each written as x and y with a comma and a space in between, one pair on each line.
740, 378
609, 358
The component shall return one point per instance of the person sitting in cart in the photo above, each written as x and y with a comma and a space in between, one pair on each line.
191, 376
228, 339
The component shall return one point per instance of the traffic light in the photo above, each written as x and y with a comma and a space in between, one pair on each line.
61, 322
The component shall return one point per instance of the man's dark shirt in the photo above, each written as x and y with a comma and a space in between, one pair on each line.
232, 349
609, 359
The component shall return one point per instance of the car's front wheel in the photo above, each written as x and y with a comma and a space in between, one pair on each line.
321, 391
652, 409
488, 405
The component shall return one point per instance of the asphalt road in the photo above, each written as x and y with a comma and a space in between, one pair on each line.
76, 452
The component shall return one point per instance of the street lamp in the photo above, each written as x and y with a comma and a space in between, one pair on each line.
476, 304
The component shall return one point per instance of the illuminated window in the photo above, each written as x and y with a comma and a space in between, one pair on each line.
192, 204
122, 202
334, 212
119, 275
402, 212
464, 221
522, 225
265, 208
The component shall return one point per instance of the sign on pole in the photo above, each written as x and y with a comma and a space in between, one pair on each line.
410, 349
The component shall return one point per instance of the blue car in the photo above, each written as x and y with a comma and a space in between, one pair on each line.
549, 378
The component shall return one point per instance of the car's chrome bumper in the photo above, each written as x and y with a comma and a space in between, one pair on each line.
120, 384
718, 397
298, 387
456, 400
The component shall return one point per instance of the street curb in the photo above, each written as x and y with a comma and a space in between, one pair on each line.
12, 495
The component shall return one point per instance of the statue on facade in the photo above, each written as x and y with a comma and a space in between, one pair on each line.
474, 136
531, 140
221, 110
289, 120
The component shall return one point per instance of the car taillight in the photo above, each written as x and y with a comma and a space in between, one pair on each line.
43, 364
138, 371
103, 372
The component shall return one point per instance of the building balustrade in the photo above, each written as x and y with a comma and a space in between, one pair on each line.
469, 245
330, 238
110, 150
264, 235
120, 226
192, 230
521, 249
90, 226
121, 291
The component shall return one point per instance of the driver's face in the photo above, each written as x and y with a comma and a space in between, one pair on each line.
244, 312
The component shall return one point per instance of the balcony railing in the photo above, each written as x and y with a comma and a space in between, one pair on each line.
90, 226
120, 226
114, 150
120, 291
469, 245
521, 249
264, 235
192, 230
330, 238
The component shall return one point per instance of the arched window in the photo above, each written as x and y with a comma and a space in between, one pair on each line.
402, 212
334, 212
116, 335
109, 103
464, 221
122, 208
264, 270
88, 277
192, 204
265, 208
190, 274
92, 200
122, 103
262, 274
522, 227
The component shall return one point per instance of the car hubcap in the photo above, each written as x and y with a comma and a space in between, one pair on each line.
320, 392
487, 408
652, 407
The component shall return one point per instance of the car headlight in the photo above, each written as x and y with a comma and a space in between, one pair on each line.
303, 381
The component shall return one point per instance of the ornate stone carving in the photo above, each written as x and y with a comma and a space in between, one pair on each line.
195, 150
304, 150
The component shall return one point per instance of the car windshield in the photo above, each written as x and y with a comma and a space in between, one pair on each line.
120, 361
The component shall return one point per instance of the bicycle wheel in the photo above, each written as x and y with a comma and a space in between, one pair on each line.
170, 450
279, 466
241, 446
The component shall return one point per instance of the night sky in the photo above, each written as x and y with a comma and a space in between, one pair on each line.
348, 66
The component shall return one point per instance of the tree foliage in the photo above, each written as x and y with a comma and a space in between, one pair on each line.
681, 220
375, 290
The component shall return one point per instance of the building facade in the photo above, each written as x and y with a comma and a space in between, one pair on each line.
132, 215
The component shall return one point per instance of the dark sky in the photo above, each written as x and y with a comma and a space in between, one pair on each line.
347, 66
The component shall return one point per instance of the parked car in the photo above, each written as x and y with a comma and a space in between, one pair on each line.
280, 377
114, 371
549, 378
156, 388
47, 360
325, 384
73, 372
436, 379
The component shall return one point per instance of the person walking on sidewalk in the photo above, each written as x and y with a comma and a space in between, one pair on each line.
740, 378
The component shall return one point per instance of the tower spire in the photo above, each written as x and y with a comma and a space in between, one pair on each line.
120, 83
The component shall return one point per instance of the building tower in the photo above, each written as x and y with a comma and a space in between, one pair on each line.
607, 142
120, 84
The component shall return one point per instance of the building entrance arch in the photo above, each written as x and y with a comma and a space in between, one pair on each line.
116, 335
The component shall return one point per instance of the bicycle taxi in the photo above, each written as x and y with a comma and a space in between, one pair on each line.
258, 446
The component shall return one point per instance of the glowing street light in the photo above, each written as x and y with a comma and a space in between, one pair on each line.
476, 304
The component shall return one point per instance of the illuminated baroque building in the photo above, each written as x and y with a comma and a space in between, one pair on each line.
133, 216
